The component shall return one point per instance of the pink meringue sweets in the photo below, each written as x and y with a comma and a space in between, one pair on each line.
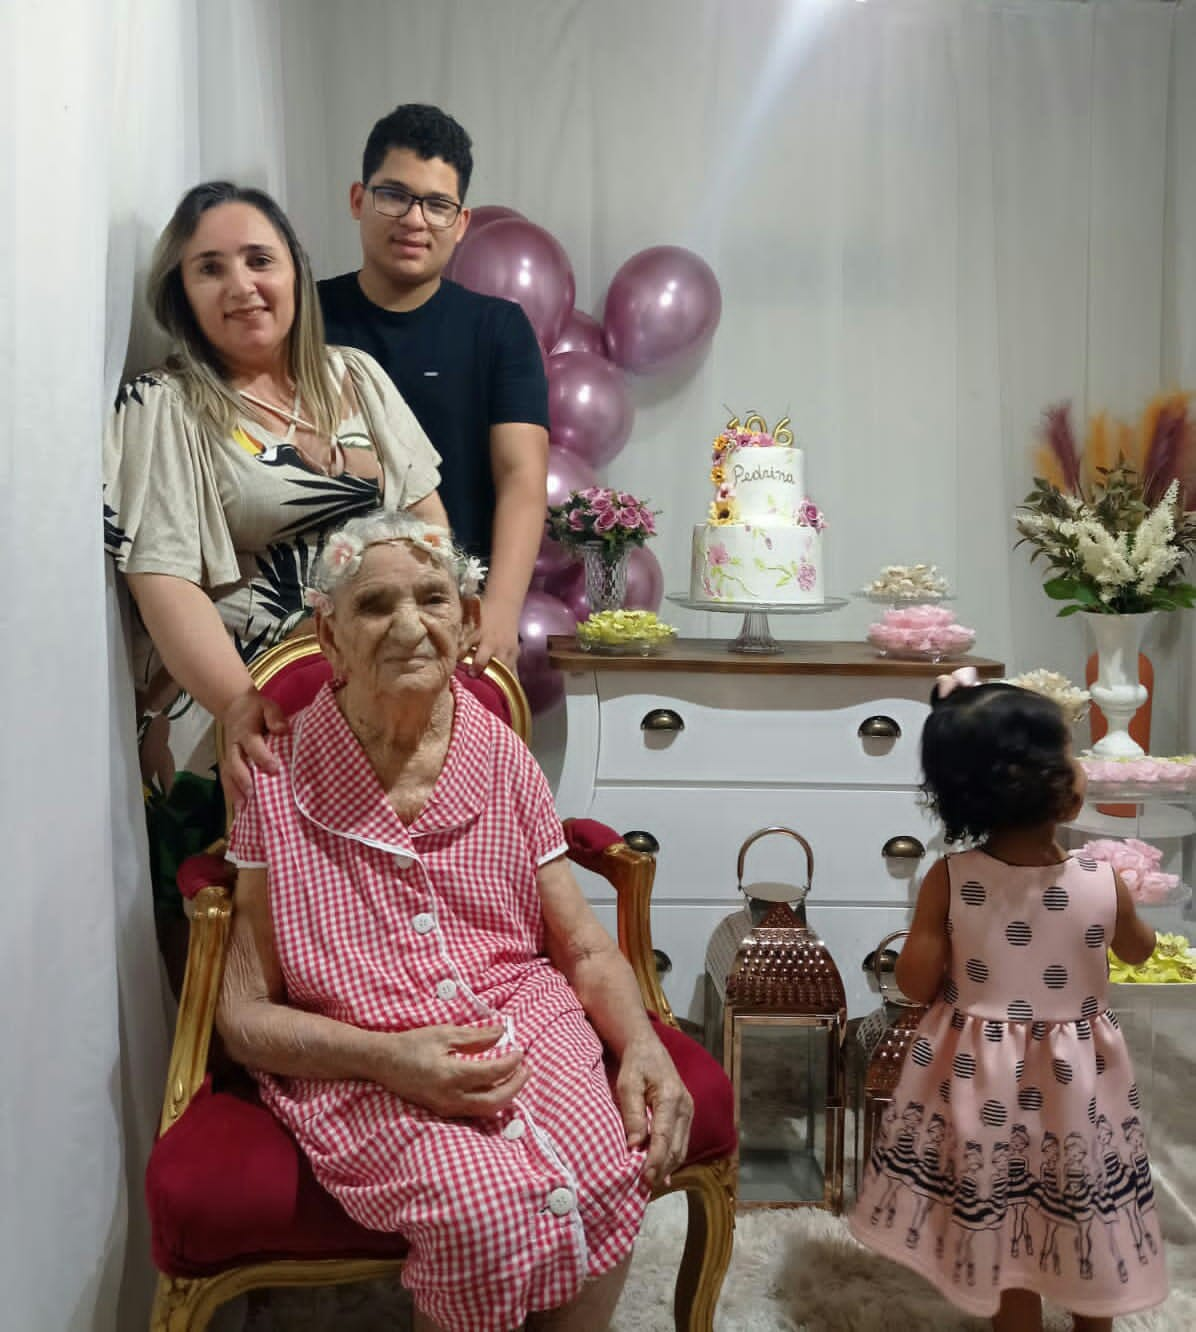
1145, 771
1138, 864
929, 633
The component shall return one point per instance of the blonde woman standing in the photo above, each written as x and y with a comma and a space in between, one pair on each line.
224, 470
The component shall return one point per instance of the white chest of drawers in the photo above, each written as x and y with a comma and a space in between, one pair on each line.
701, 747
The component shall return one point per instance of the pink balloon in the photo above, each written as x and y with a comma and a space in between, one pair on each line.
544, 690
541, 616
520, 261
480, 217
569, 587
645, 580
581, 333
589, 407
566, 472
663, 304
484, 214
552, 559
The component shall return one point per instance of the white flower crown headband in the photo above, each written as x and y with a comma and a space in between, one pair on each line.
342, 555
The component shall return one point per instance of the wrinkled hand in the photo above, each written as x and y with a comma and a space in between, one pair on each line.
647, 1081
498, 636
427, 1067
246, 721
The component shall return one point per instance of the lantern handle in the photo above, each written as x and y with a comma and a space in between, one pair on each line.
788, 832
898, 1001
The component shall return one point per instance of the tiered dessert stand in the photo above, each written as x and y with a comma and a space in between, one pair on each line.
755, 636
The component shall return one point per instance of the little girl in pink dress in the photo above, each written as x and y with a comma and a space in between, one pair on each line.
1018, 1065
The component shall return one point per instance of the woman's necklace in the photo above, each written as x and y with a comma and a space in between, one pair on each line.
295, 421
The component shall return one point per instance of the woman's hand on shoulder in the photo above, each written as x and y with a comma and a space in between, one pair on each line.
648, 1081
246, 721
431, 1067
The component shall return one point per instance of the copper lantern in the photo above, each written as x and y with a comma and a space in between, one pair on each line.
784, 1019
885, 1036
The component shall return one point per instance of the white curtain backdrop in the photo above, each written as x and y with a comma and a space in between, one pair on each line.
112, 108
928, 219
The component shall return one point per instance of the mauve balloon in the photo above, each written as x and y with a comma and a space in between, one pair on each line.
581, 333
645, 580
480, 217
553, 558
484, 214
544, 689
522, 262
569, 587
566, 472
541, 615
589, 407
661, 306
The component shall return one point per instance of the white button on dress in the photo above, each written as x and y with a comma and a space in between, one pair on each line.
446, 989
560, 1202
514, 1130
424, 923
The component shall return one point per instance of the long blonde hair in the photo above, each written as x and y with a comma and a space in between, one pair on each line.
194, 359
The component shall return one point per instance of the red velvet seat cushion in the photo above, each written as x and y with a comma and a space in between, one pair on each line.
227, 1185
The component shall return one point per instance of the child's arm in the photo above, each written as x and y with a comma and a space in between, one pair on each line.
927, 948
1133, 939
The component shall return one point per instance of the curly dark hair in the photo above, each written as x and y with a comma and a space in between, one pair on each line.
428, 132
995, 756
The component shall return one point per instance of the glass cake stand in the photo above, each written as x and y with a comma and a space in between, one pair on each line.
755, 637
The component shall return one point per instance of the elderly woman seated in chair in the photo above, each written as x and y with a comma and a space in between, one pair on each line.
416, 980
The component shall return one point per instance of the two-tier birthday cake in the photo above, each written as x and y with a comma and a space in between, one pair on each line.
763, 541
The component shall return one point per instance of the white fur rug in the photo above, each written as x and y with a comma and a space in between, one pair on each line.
791, 1271
801, 1271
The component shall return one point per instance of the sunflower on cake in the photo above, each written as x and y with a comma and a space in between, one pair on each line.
762, 543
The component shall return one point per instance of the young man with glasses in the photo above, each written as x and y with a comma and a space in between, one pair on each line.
468, 365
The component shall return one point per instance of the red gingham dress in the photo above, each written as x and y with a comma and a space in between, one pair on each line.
389, 927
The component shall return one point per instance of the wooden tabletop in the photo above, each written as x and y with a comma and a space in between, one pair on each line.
711, 655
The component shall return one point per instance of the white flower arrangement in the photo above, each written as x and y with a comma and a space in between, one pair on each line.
1115, 532
1072, 700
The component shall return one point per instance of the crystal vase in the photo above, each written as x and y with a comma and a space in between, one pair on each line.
1116, 689
606, 575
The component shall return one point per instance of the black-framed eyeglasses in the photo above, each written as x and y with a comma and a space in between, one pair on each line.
395, 201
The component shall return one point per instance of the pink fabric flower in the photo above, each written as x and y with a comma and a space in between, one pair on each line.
576, 521
718, 553
629, 518
807, 514
341, 551
605, 520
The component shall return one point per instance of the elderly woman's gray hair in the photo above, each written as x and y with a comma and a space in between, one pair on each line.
345, 548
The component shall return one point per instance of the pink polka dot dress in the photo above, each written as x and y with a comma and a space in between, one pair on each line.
387, 927
1013, 1154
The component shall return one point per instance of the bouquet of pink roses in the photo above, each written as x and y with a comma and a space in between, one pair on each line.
599, 514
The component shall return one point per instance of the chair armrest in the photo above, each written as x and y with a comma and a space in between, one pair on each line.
630, 873
212, 913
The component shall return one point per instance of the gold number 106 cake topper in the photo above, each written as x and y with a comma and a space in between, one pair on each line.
757, 425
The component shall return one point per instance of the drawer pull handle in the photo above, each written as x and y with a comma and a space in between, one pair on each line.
903, 848
879, 728
662, 719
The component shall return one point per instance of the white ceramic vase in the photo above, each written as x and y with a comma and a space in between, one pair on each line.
1116, 690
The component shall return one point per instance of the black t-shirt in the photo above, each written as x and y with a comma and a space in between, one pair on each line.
463, 362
